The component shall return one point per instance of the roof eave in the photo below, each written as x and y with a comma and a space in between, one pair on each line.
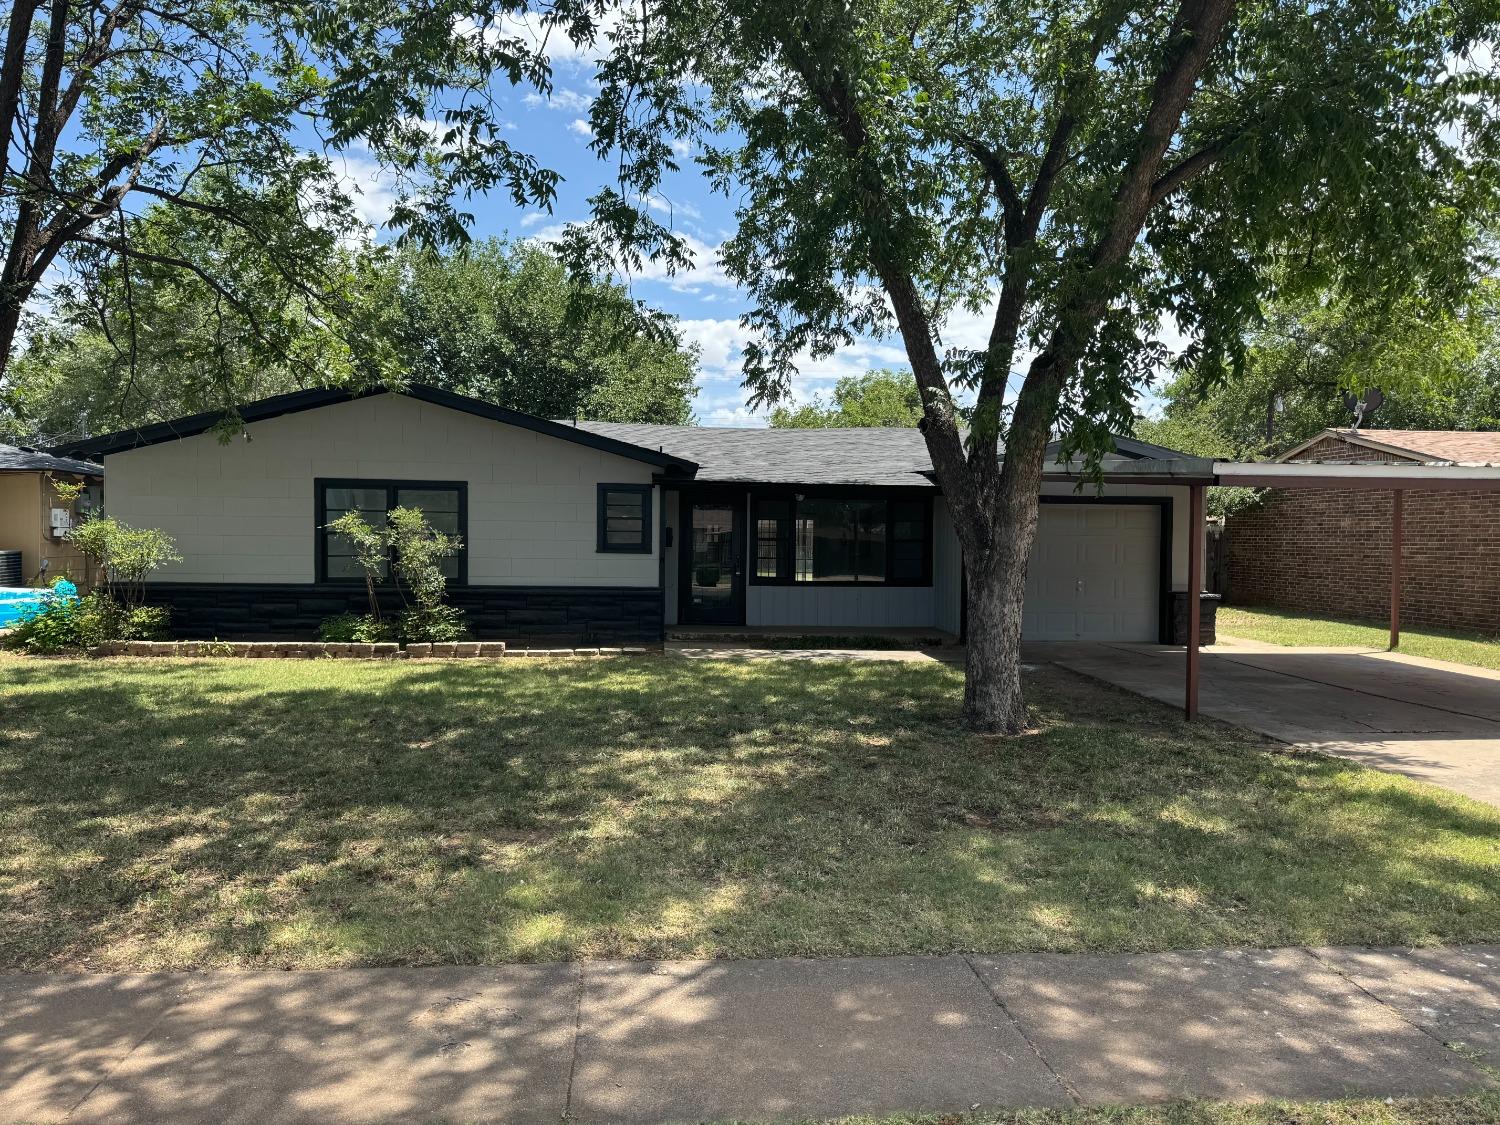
1357, 475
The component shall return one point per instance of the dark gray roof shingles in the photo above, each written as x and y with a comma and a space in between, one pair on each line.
14, 459
889, 456
769, 456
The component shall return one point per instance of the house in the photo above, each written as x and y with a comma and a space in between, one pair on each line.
1327, 551
34, 519
614, 533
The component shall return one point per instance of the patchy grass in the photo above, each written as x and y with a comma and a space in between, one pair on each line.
1283, 627
1476, 1109
179, 813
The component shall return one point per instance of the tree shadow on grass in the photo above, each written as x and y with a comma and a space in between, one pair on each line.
188, 814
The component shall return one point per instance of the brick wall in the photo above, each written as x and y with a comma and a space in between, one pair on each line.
1329, 551
1330, 448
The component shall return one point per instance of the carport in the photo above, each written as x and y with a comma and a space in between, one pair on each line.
1395, 478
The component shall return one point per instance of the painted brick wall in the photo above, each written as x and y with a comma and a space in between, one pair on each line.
1329, 552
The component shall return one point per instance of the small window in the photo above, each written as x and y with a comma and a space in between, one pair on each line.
625, 518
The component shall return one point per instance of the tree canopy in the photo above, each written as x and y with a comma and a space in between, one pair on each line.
876, 398
213, 107
498, 321
1437, 372
506, 323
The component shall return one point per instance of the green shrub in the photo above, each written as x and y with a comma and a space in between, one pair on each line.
414, 550
122, 557
354, 628
436, 623
52, 625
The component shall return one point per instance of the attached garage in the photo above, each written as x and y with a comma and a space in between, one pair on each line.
1096, 571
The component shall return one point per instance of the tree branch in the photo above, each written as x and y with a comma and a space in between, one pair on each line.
995, 168
1189, 167
13, 73
939, 415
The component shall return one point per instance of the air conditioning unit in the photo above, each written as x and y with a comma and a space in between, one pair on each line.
61, 522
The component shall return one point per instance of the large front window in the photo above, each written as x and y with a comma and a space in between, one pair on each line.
843, 539
441, 503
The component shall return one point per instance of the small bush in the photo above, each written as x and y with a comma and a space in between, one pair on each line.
64, 621
354, 628
122, 557
435, 623
52, 624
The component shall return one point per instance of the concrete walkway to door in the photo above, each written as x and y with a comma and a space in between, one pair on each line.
1427, 719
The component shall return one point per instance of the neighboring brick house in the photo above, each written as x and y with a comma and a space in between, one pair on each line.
1328, 551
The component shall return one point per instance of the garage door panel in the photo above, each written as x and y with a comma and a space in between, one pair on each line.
1094, 573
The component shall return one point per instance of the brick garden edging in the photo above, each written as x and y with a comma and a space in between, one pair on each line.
283, 650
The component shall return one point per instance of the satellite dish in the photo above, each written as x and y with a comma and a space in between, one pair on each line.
1366, 404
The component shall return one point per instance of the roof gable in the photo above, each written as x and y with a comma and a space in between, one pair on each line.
298, 401
1466, 447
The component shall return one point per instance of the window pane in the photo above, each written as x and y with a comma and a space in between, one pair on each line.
430, 500
772, 538
840, 540
625, 525
907, 561
342, 566
911, 520
358, 499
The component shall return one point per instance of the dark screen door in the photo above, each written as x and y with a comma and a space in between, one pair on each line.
714, 564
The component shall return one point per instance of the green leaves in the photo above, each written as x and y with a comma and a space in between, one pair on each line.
876, 398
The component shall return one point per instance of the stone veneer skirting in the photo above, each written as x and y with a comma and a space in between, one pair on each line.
571, 615
1208, 612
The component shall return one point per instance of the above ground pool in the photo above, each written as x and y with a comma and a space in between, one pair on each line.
12, 598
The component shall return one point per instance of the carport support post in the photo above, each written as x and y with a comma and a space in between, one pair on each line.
1195, 588
1397, 504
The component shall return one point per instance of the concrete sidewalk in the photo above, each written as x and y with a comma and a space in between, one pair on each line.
706, 1040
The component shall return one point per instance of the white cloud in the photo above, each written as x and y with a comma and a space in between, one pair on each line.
665, 206
551, 39
581, 127
682, 148
371, 187
561, 98
532, 218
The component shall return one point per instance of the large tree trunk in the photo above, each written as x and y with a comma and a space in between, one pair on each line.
994, 702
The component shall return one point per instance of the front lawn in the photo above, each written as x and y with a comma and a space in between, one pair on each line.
1286, 627
179, 813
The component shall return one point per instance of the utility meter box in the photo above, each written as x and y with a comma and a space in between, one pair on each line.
61, 522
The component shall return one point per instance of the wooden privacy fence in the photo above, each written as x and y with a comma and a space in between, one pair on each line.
1216, 558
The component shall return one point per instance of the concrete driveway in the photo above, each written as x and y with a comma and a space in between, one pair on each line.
1427, 719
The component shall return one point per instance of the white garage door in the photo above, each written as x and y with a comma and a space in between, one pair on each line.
1095, 574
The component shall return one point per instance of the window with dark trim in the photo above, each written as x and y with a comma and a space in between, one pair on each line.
444, 504
843, 539
625, 518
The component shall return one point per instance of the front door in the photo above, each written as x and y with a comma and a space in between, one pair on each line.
713, 563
